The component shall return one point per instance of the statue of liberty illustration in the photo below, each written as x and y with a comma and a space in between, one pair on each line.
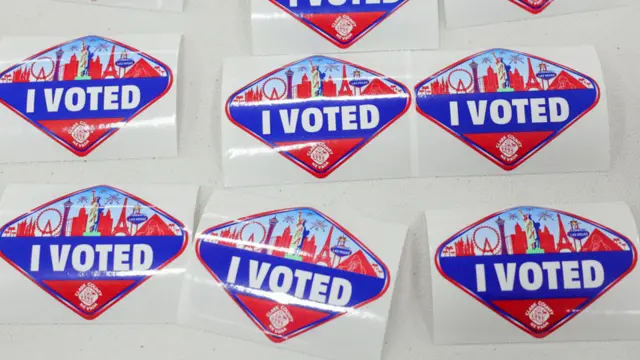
93, 217
316, 80
504, 75
297, 242
531, 231
85, 60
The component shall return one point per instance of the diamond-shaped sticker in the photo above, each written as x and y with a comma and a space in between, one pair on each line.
91, 248
342, 22
318, 112
533, 6
537, 268
82, 92
505, 104
292, 270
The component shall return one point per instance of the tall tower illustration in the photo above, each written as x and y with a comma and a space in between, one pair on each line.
121, 227
476, 80
563, 243
110, 72
532, 81
65, 217
324, 257
267, 240
289, 74
56, 70
345, 89
503, 238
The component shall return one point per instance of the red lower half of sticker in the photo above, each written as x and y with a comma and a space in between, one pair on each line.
319, 156
80, 133
509, 148
540, 315
344, 27
281, 320
89, 297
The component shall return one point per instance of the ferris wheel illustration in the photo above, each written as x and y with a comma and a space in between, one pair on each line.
45, 225
250, 231
273, 84
462, 86
487, 248
43, 75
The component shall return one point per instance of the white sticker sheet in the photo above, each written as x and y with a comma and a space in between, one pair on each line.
532, 274
510, 111
462, 13
292, 277
93, 254
164, 5
326, 26
316, 118
88, 98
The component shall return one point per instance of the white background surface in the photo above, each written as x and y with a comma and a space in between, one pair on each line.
217, 28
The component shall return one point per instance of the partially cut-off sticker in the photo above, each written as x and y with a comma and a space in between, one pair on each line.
318, 112
538, 268
91, 248
341, 22
533, 6
292, 270
82, 92
506, 105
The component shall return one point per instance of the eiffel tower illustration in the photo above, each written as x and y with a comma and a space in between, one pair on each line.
121, 227
110, 71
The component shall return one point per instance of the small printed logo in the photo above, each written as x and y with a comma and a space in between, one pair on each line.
279, 317
318, 112
88, 294
81, 92
343, 24
533, 6
505, 104
317, 269
91, 248
538, 268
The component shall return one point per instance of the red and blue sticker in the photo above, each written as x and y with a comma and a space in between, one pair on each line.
506, 105
533, 6
292, 270
82, 92
318, 112
538, 268
91, 248
342, 22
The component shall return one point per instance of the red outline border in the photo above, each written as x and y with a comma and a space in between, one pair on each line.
480, 150
534, 11
274, 338
99, 142
353, 151
332, 40
122, 295
568, 317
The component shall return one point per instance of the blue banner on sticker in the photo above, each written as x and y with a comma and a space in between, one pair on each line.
318, 112
533, 6
341, 22
292, 270
91, 248
505, 104
82, 92
536, 267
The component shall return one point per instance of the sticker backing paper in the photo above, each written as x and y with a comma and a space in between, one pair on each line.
167, 5
90, 97
293, 276
534, 273
93, 253
330, 26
